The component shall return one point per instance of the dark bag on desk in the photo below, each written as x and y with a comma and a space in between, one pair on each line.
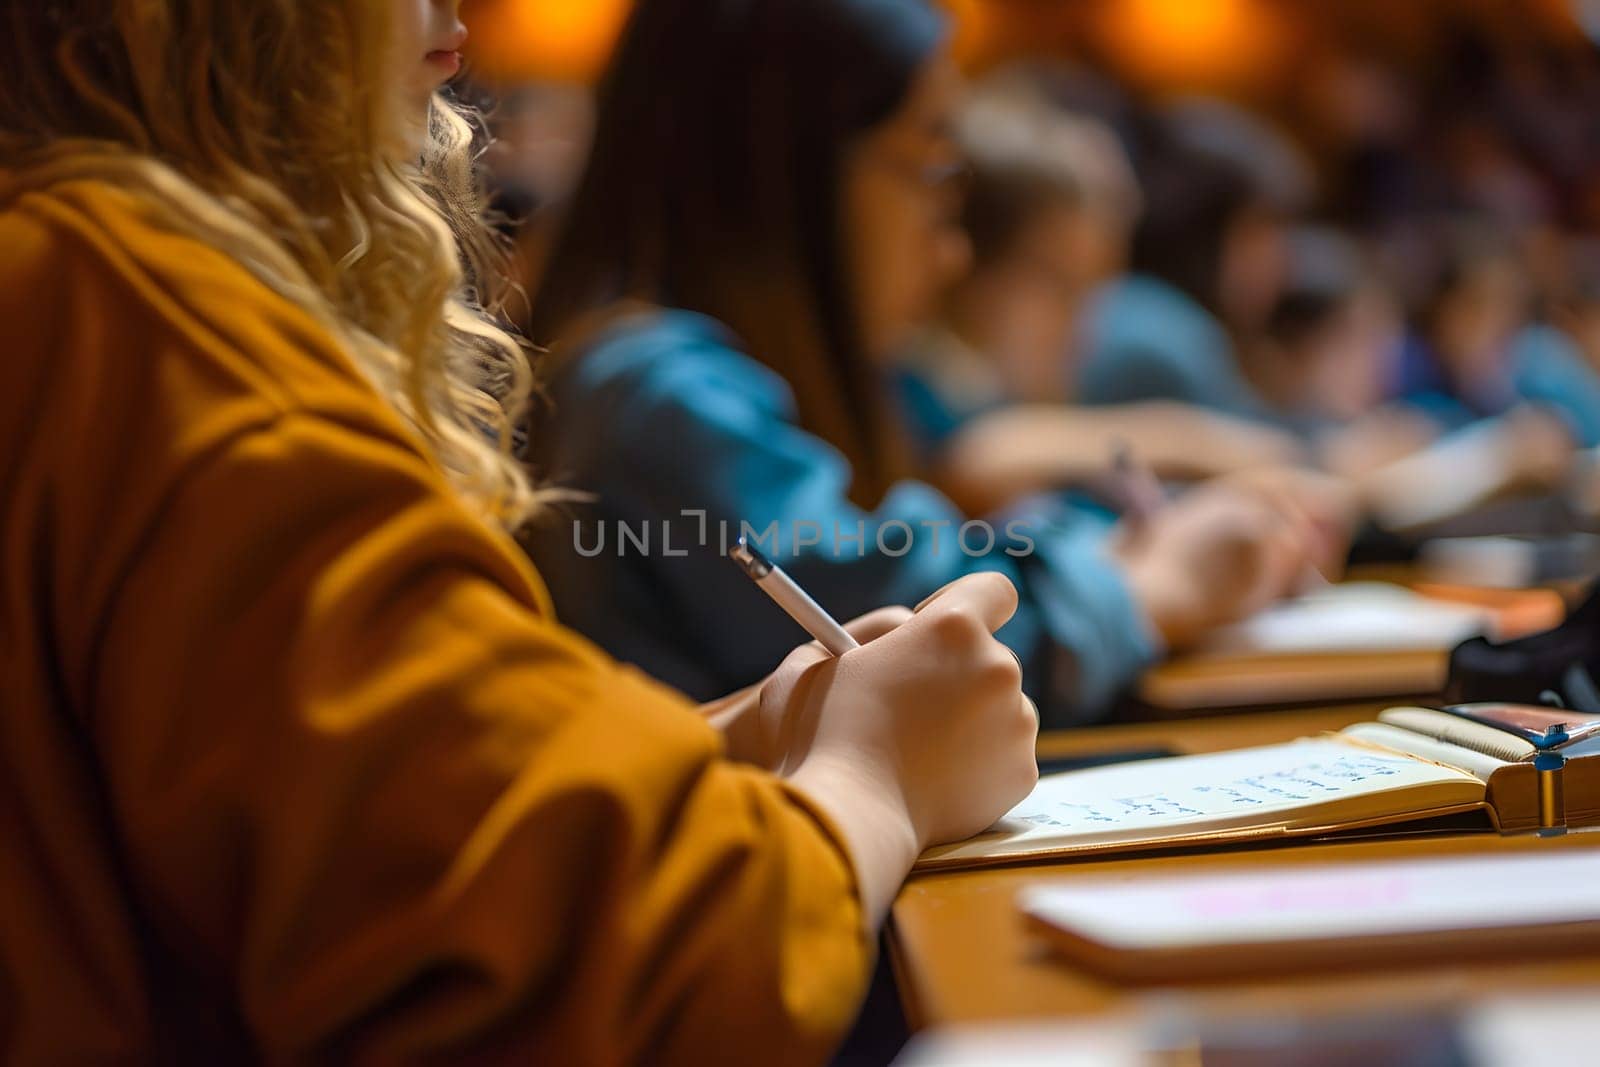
1559, 665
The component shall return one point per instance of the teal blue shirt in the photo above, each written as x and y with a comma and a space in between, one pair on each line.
683, 441
1147, 340
1547, 368
1541, 366
1144, 339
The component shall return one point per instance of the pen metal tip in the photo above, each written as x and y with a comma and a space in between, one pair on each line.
750, 558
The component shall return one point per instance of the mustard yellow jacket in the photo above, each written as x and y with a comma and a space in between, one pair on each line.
295, 763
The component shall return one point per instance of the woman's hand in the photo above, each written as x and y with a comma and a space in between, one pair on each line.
1219, 554
1327, 506
919, 737
756, 730
1540, 446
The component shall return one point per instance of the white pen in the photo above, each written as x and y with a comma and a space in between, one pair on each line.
792, 599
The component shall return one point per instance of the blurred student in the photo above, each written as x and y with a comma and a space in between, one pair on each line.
1577, 308
1233, 309
1049, 205
1208, 262
1485, 405
1475, 352
1212, 262
989, 388
1330, 349
298, 766
1327, 355
1326, 352
735, 273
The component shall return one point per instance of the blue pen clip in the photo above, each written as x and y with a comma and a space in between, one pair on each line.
1548, 765
1555, 735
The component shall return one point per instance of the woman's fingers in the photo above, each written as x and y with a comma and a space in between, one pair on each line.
874, 624
988, 597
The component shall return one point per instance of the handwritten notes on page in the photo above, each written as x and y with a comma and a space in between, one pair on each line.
1158, 800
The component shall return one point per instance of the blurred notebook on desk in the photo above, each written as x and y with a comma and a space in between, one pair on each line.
1412, 765
1272, 920
1358, 639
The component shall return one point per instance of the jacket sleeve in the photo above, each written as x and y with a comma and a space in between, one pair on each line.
362, 778
1548, 369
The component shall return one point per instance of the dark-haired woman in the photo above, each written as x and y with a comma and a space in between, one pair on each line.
768, 211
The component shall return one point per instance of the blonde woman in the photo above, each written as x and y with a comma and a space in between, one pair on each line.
296, 763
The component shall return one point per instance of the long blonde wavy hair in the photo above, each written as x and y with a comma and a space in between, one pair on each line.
258, 126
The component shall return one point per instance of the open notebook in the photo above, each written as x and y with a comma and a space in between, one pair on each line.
1412, 764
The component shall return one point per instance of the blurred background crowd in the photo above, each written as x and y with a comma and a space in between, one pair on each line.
1314, 216
1230, 237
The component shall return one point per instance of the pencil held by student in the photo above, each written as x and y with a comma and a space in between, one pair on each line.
297, 762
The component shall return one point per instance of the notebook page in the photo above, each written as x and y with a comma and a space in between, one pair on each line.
1446, 480
1458, 731
1480, 765
1156, 800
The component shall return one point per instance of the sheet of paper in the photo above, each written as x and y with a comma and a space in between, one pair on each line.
1460, 472
1189, 793
1318, 903
1354, 617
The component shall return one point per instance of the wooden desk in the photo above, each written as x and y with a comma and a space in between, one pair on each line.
1208, 682
962, 954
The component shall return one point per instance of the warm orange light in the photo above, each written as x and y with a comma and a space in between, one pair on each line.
1183, 41
560, 40
974, 29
